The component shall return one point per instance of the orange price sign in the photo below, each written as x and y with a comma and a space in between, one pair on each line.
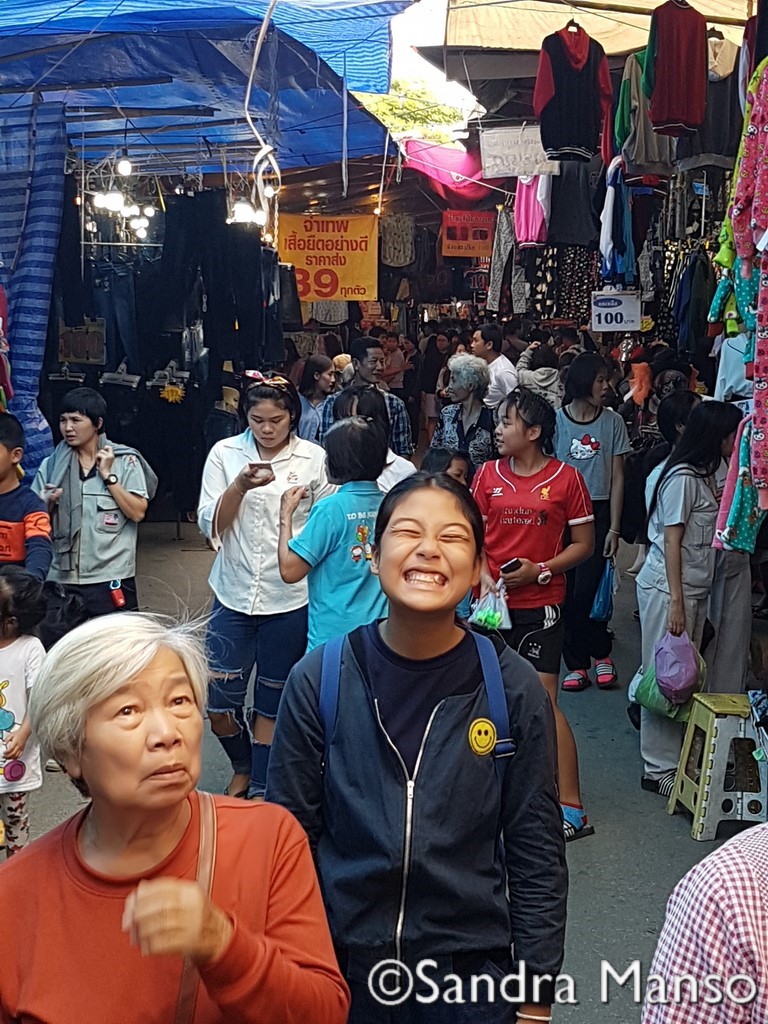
336, 258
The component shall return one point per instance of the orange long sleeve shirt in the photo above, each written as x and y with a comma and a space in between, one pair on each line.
65, 959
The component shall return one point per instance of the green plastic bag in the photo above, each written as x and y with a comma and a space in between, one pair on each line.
649, 696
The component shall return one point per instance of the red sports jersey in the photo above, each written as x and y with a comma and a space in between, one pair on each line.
526, 517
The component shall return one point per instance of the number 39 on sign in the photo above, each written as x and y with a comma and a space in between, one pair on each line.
616, 311
323, 283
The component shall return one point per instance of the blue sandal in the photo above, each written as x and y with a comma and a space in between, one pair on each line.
575, 824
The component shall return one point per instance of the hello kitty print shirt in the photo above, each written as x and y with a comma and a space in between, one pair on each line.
590, 448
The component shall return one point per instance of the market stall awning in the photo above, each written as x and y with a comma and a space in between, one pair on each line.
351, 36
167, 78
176, 98
492, 42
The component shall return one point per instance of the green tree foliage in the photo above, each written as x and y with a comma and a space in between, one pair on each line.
413, 107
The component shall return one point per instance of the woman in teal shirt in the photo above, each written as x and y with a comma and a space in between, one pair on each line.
334, 548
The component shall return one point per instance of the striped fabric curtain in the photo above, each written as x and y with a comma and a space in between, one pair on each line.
33, 145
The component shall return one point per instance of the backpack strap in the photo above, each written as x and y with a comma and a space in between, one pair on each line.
497, 698
330, 677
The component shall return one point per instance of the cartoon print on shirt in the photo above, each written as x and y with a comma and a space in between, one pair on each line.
12, 770
586, 447
362, 535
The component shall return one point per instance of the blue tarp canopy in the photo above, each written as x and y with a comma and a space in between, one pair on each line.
351, 34
167, 78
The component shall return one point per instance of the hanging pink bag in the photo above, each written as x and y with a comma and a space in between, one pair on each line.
677, 668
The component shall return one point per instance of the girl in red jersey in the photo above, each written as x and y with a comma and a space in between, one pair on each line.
538, 517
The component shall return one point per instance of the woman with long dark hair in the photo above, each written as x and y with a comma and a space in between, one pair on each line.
318, 379
674, 584
435, 358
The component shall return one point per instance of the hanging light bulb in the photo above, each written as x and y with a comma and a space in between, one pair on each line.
377, 211
124, 165
141, 233
149, 211
133, 211
135, 224
143, 222
270, 191
267, 237
113, 201
260, 217
100, 201
243, 212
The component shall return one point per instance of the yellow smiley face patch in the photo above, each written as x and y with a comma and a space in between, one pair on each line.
482, 736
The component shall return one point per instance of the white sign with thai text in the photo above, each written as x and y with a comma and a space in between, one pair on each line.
514, 152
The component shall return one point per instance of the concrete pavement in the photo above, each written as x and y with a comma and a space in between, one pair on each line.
620, 878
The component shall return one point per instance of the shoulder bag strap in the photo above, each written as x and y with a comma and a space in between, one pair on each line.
497, 698
206, 865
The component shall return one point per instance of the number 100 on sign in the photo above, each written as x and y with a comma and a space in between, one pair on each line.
617, 311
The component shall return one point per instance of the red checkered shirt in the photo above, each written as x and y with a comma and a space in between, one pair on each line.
717, 926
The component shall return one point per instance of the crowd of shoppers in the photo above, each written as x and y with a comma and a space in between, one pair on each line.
431, 776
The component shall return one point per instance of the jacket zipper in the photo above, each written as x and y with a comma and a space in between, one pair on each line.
410, 790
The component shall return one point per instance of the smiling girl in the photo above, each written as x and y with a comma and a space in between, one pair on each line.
256, 618
404, 790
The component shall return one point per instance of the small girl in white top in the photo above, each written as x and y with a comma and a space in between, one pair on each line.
22, 609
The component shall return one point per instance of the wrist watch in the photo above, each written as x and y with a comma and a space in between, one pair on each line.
545, 574
111, 480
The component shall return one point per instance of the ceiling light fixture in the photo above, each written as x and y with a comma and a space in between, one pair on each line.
124, 165
113, 201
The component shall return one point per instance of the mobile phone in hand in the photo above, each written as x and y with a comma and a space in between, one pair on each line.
512, 565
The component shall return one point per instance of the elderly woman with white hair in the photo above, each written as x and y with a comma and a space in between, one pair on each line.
467, 424
155, 902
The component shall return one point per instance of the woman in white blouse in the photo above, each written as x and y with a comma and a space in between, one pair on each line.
256, 618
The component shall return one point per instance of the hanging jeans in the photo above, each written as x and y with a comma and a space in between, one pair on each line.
114, 299
584, 638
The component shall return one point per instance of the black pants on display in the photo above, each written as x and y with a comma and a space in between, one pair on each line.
584, 638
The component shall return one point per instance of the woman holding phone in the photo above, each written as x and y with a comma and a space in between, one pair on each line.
530, 502
256, 618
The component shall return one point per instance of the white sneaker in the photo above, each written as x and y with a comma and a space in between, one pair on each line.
53, 766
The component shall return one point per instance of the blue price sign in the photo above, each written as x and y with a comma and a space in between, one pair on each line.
616, 311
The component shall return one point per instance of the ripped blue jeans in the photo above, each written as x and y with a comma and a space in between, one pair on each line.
235, 642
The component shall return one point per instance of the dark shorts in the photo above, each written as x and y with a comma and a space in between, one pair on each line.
537, 636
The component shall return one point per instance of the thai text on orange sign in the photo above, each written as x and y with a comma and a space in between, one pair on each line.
468, 232
336, 258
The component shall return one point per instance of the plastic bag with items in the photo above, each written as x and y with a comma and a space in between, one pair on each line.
491, 612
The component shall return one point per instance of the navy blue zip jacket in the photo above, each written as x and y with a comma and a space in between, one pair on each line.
427, 880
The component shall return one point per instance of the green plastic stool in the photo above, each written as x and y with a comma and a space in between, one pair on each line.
719, 729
